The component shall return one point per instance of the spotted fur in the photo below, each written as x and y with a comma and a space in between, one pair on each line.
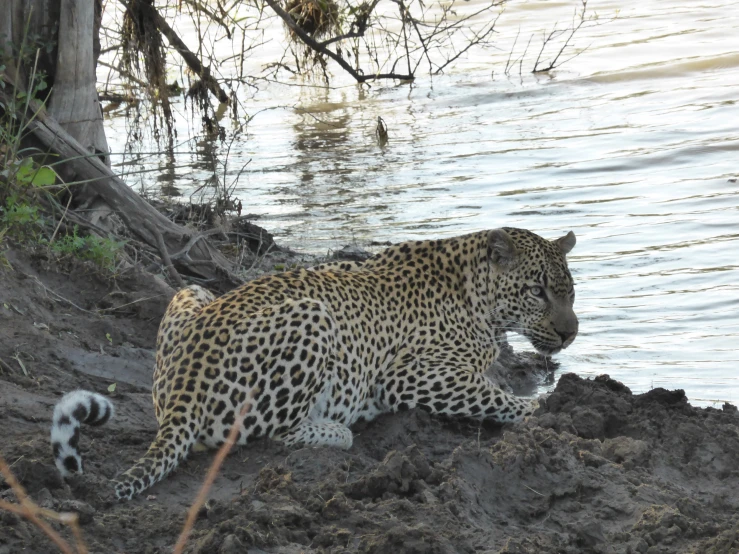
313, 351
74, 408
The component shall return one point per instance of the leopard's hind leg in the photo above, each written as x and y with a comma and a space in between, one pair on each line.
186, 305
173, 442
178, 431
277, 365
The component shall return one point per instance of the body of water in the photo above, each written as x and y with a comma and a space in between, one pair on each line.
633, 145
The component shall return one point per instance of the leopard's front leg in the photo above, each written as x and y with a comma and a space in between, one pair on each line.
454, 390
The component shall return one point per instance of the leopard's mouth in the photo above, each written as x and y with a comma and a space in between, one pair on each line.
548, 351
546, 347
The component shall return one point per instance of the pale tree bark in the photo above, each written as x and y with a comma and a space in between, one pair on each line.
74, 100
69, 65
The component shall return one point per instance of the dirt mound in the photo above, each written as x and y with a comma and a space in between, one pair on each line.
596, 470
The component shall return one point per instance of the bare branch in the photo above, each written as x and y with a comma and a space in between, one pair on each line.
31, 511
360, 24
478, 38
175, 41
556, 33
357, 74
510, 54
418, 33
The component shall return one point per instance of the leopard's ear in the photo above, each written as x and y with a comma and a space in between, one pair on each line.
566, 243
501, 249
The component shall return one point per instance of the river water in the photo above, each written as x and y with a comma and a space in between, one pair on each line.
633, 145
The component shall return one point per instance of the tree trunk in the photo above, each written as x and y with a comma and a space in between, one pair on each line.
64, 31
74, 100
73, 142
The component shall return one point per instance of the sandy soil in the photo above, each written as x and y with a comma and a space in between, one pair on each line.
597, 470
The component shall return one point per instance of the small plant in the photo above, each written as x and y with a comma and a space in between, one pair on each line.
4, 262
103, 252
19, 208
21, 178
20, 220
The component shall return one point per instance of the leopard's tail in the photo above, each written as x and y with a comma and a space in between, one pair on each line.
73, 409
178, 431
171, 446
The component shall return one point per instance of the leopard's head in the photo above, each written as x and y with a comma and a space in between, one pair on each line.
532, 289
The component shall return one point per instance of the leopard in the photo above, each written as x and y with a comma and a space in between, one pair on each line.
301, 356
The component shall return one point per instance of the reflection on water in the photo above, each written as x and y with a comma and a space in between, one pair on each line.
633, 145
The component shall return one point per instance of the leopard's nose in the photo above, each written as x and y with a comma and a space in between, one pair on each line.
567, 337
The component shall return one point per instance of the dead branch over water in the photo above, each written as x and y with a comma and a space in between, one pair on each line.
139, 8
364, 42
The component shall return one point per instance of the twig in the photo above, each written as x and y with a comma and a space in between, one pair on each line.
61, 220
31, 515
478, 38
129, 303
256, 257
520, 60
340, 38
17, 358
198, 7
510, 54
310, 42
175, 41
360, 23
109, 49
31, 511
6, 366
124, 73
418, 33
174, 275
58, 296
185, 252
556, 33
535, 492
210, 477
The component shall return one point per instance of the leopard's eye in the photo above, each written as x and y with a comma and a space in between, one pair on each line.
537, 291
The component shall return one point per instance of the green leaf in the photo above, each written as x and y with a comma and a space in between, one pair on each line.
44, 177
38, 177
110, 339
111, 387
25, 172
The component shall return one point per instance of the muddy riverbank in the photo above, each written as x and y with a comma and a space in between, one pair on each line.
598, 469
